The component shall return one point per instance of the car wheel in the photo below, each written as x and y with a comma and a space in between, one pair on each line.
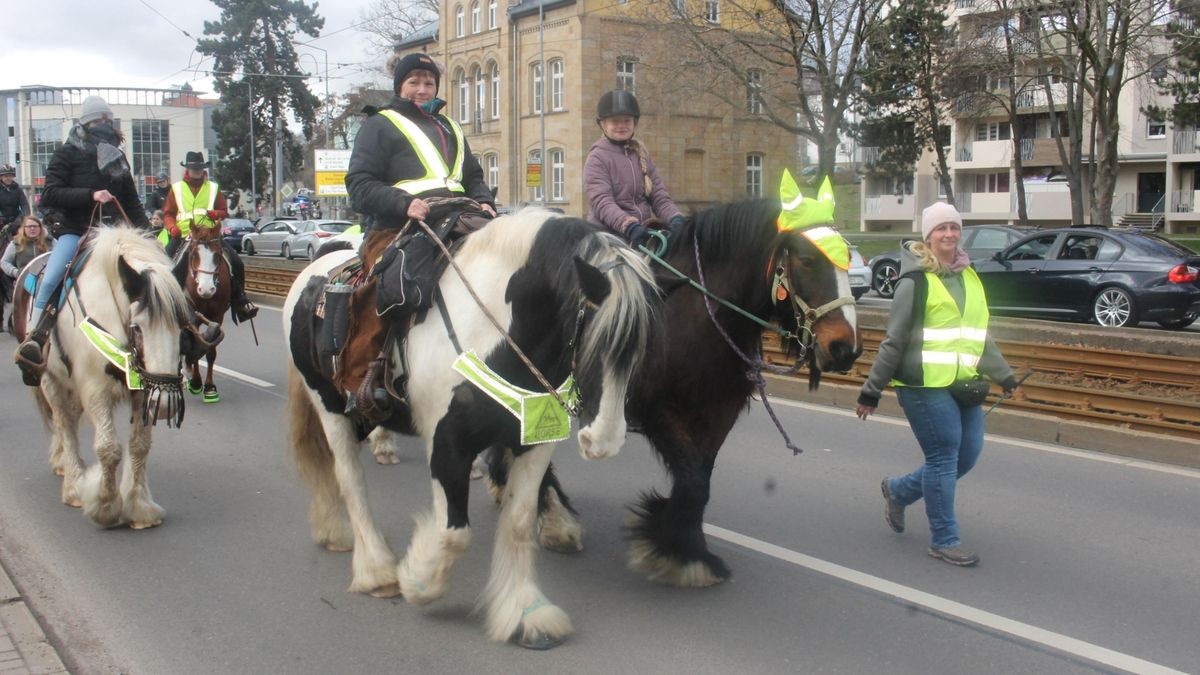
310, 252
1114, 308
286, 252
248, 248
884, 278
1177, 324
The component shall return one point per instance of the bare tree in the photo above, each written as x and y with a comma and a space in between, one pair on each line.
386, 22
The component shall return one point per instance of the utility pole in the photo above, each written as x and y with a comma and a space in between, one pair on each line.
545, 90
278, 165
253, 149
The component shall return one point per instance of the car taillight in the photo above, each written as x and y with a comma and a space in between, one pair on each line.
1183, 274
322, 234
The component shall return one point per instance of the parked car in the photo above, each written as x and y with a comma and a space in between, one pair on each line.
233, 229
269, 238
860, 274
1113, 276
308, 235
979, 241
352, 235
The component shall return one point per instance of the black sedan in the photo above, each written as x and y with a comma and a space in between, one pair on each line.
233, 229
1115, 277
979, 241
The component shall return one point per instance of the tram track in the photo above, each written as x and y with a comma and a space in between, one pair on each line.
1134, 390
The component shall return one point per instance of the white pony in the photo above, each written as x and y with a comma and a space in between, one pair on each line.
126, 290
573, 299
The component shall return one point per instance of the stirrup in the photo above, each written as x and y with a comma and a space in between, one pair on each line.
31, 371
245, 310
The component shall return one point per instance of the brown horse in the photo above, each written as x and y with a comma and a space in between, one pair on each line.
207, 284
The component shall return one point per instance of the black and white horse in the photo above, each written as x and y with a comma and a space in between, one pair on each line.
573, 299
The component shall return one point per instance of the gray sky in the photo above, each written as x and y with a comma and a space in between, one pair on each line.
125, 43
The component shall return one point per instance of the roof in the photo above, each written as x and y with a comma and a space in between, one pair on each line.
527, 7
426, 33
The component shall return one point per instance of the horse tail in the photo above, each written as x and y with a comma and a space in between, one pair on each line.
314, 459
44, 409
621, 330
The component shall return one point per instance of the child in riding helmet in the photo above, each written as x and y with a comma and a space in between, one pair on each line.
623, 187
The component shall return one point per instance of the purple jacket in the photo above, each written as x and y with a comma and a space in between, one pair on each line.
616, 187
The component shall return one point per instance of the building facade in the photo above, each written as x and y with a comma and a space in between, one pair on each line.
523, 79
160, 126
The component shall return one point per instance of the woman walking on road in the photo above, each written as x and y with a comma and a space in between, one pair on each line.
937, 346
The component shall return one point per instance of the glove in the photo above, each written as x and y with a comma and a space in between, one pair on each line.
214, 215
675, 224
1010, 385
637, 234
174, 231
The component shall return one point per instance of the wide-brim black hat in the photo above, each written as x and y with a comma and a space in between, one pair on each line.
194, 160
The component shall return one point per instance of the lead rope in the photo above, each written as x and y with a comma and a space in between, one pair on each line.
757, 365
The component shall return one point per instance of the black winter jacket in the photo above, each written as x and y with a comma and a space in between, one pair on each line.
13, 203
157, 200
382, 156
72, 177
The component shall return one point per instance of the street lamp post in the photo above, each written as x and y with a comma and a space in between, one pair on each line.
325, 105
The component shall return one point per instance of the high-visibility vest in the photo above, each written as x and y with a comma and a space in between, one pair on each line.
437, 174
194, 208
951, 343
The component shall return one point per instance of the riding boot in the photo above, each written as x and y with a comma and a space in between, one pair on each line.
243, 309
31, 354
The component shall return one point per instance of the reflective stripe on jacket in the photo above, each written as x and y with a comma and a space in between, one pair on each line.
192, 208
952, 342
437, 174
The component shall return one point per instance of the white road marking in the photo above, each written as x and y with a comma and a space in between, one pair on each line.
943, 606
243, 377
1092, 455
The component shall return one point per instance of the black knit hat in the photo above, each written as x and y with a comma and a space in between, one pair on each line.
415, 62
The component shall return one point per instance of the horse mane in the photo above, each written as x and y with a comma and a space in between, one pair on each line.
164, 300
736, 230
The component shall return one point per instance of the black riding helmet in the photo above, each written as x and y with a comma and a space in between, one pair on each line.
618, 102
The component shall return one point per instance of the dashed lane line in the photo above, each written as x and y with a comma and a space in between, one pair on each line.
937, 604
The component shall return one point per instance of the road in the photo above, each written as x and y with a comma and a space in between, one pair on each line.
1089, 563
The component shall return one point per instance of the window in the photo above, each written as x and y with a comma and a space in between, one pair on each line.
495, 91
754, 175
151, 141
991, 182
625, 74
535, 192
45, 137
459, 28
475, 16
538, 88
464, 97
480, 94
996, 131
1034, 249
712, 11
680, 7
491, 163
491, 14
1156, 128
754, 92
558, 175
556, 84
1158, 66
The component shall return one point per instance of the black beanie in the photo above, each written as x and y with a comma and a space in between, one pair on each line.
415, 62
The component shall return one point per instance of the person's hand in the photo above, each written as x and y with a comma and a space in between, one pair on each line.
637, 233
675, 224
1010, 386
864, 411
487, 208
214, 215
102, 196
418, 209
173, 230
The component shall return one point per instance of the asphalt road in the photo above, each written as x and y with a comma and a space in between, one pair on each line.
1088, 561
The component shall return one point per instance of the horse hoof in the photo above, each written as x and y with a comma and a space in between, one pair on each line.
145, 525
338, 548
211, 395
195, 389
388, 591
539, 641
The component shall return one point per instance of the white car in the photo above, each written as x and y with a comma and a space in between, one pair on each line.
860, 274
353, 235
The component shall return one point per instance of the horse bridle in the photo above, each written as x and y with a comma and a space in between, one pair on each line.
806, 315
214, 246
156, 385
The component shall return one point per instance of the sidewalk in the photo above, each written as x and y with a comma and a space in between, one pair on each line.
24, 649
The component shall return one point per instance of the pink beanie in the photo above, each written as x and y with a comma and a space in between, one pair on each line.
936, 214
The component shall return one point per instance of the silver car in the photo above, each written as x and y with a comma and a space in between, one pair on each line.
269, 238
308, 236
860, 274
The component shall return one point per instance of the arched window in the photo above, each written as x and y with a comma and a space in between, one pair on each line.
480, 94
539, 88
556, 84
535, 192
558, 175
495, 91
464, 96
459, 22
491, 14
475, 17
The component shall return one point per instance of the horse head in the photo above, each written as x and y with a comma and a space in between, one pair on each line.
205, 261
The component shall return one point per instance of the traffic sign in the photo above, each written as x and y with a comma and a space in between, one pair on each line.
533, 175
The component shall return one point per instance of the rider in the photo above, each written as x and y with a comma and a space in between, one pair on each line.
623, 187
197, 202
403, 155
87, 170
157, 199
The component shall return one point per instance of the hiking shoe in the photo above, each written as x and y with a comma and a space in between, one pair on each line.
893, 513
955, 556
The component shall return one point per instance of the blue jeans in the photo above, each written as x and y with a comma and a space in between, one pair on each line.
56, 268
951, 438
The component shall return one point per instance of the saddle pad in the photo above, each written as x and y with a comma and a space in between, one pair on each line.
31, 277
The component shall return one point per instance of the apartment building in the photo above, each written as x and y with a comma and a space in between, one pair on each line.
523, 78
160, 127
1157, 183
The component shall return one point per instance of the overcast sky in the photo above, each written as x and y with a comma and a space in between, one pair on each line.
132, 43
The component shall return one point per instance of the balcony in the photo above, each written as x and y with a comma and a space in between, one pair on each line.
992, 204
868, 156
1045, 201
1040, 152
889, 207
984, 154
964, 154
1184, 142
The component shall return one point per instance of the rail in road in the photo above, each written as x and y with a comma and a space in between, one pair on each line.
1146, 392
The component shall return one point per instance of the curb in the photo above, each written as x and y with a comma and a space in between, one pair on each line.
1020, 424
24, 647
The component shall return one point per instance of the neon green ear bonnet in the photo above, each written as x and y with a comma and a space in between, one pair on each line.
812, 218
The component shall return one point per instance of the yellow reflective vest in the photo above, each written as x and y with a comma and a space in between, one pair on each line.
437, 174
952, 342
193, 209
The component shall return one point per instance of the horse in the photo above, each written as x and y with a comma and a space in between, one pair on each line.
125, 291
207, 283
574, 300
694, 384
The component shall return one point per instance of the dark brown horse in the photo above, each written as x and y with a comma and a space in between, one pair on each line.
694, 385
207, 283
